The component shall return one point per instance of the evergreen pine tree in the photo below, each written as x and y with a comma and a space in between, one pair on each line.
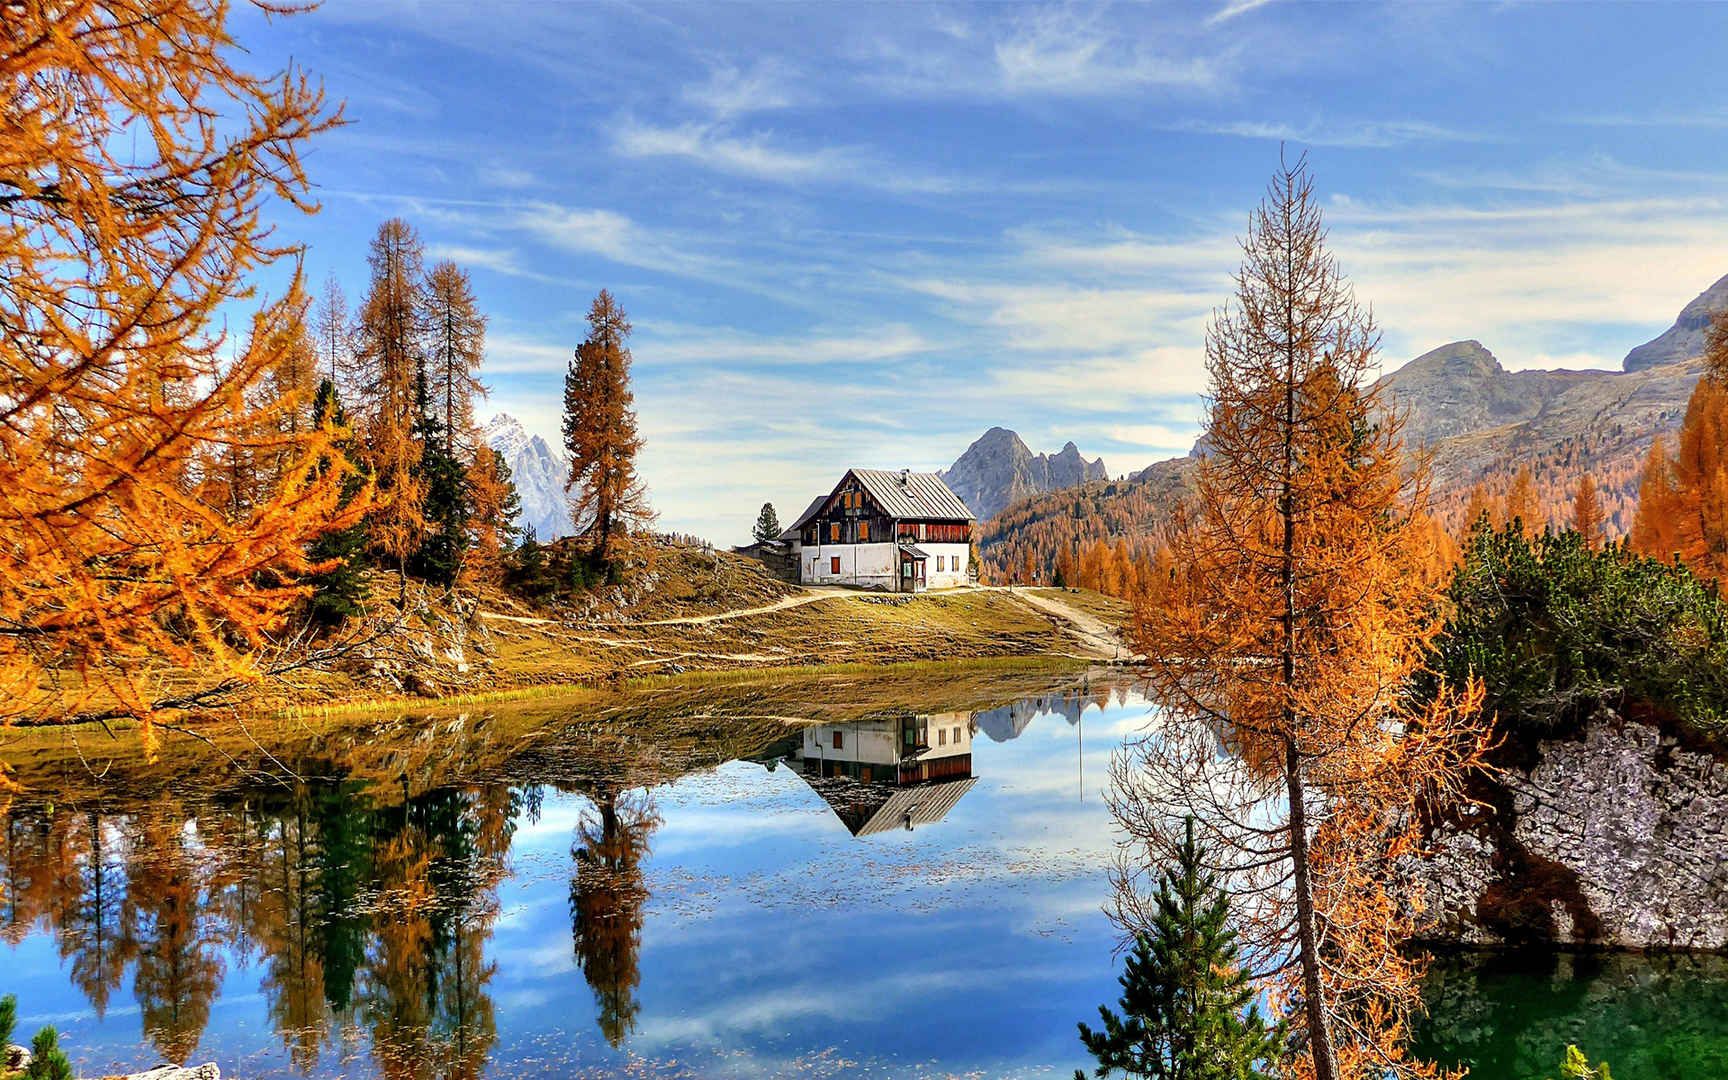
530, 572
47, 1060
8, 1019
445, 508
1187, 1005
767, 525
337, 592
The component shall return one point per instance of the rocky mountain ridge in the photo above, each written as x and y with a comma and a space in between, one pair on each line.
1479, 423
1685, 339
539, 472
999, 469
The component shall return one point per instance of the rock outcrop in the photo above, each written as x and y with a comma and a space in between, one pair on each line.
1685, 339
999, 469
206, 1071
1614, 839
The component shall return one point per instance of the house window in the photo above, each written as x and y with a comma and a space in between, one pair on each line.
941, 736
863, 531
939, 561
834, 532
838, 741
956, 736
834, 565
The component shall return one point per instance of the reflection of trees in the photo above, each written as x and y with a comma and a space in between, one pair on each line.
438, 859
95, 931
606, 901
179, 962
287, 930
355, 912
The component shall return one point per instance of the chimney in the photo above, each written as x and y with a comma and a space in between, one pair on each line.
905, 474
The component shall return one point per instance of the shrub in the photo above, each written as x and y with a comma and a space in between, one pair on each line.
1557, 629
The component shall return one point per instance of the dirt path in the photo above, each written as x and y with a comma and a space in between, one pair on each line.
1103, 640
810, 595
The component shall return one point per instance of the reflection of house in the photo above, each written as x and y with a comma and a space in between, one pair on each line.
901, 531
890, 772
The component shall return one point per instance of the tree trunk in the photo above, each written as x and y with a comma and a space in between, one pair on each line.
1319, 1034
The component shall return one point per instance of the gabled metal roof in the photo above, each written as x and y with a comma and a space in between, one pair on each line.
912, 495
790, 532
867, 808
923, 804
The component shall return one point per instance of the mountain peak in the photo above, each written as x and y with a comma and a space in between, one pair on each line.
538, 471
1685, 339
1456, 359
999, 469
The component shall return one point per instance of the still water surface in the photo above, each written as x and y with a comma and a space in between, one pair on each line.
909, 895
761, 917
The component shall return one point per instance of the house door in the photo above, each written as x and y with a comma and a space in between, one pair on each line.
920, 565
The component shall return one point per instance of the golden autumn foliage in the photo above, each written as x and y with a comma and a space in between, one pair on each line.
386, 357
1683, 500
118, 406
1587, 511
491, 506
1282, 629
607, 498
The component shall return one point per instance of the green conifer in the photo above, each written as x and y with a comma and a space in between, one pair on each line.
767, 525
446, 501
337, 592
8, 1019
1188, 1009
47, 1060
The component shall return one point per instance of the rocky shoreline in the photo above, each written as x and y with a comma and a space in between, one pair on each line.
1615, 839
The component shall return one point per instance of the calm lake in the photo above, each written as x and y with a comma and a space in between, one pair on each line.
692, 889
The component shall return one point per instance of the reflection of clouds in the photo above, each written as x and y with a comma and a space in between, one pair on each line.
881, 997
773, 935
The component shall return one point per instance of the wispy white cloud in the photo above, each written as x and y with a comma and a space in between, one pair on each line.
1038, 51
498, 260
1358, 134
715, 147
1239, 7
731, 91
1056, 50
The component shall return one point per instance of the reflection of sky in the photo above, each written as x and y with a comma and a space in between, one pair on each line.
774, 940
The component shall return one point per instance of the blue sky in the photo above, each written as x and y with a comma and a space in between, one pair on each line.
860, 235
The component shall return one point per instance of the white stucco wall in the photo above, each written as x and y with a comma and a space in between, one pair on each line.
953, 564
869, 565
875, 565
950, 735
872, 743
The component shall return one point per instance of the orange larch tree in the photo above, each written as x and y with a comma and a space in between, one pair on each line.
1521, 504
115, 393
607, 497
1656, 527
1587, 511
1298, 600
493, 505
388, 343
455, 346
1683, 501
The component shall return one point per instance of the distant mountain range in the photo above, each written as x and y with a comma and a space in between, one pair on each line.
1479, 422
539, 472
999, 469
